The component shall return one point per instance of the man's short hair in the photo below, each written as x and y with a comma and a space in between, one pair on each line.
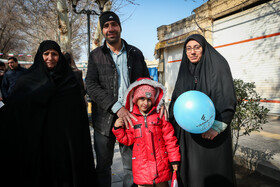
13, 58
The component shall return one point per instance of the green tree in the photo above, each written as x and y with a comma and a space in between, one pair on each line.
249, 115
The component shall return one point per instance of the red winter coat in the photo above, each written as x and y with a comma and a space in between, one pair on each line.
155, 145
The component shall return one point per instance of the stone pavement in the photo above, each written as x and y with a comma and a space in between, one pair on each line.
258, 152
117, 167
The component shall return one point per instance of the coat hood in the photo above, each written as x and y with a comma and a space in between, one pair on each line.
159, 96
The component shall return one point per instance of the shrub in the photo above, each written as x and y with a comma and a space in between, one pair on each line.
249, 115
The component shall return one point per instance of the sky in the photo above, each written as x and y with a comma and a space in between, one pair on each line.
140, 22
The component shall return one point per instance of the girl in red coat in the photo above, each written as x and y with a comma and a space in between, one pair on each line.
155, 145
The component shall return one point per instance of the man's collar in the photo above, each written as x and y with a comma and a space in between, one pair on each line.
123, 47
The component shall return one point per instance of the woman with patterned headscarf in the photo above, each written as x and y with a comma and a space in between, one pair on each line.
206, 159
44, 130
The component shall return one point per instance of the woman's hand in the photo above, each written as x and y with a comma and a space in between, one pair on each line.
210, 134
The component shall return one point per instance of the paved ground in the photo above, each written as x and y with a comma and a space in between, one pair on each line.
247, 178
257, 159
261, 150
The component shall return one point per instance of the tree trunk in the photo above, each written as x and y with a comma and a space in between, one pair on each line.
236, 142
64, 26
98, 37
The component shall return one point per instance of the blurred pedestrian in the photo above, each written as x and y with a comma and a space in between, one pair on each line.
10, 78
44, 132
2, 72
206, 158
111, 69
155, 145
78, 73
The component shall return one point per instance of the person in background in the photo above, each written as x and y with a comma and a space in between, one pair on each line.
2, 72
10, 78
44, 130
155, 145
206, 159
111, 69
78, 73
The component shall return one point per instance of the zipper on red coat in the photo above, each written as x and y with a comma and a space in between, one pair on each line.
145, 120
145, 117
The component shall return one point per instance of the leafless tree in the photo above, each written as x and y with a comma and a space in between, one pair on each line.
40, 21
26, 23
11, 39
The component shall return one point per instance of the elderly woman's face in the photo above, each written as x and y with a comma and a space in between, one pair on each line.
51, 58
194, 51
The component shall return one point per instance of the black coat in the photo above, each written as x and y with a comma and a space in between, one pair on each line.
102, 83
206, 162
9, 80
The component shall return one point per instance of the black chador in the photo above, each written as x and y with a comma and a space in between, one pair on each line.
206, 162
44, 130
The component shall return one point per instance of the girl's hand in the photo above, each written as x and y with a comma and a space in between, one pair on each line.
175, 167
119, 122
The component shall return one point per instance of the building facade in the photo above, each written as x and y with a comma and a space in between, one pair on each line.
245, 32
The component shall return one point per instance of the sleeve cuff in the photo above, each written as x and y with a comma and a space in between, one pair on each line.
219, 126
176, 162
116, 128
116, 107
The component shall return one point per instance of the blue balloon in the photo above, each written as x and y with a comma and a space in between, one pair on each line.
194, 111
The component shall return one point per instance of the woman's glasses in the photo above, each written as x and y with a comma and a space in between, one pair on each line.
196, 48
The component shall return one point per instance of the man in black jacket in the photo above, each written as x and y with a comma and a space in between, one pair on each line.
10, 77
111, 68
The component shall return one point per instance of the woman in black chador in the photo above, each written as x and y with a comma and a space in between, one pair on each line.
44, 131
206, 158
